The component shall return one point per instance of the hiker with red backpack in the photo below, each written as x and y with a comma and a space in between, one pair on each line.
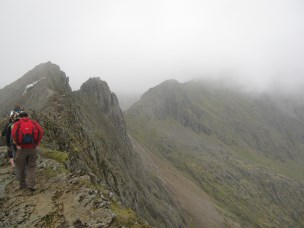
27, 135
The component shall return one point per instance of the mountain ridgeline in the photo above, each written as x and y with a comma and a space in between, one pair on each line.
88, 124
245, 151
195, 154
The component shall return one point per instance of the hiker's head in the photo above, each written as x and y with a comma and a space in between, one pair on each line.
23, 114
17, 108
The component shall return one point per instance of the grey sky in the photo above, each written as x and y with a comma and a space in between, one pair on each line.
136, 44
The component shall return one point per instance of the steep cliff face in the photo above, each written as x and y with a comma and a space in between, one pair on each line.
114, 159
170, 100
269, 124
244, 151
88, 124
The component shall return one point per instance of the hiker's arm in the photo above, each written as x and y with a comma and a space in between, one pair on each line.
8, 135
14, 131
41, 133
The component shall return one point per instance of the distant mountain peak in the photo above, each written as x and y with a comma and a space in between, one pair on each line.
171, 82
94, 84
94, 89
34, 88
240, 149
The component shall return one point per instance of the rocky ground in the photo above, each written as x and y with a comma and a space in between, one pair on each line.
62, 199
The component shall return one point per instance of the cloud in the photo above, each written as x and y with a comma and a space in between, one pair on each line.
134, 45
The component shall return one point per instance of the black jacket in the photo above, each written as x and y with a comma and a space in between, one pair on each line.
7, 131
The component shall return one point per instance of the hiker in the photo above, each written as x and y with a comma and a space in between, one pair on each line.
7, 134
27, 135
15, 112
7, 131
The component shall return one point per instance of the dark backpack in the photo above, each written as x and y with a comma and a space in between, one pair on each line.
27, 132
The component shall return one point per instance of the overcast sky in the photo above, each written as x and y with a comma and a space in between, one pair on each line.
136, 44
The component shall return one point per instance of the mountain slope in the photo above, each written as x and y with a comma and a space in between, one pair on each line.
34, 88
245, 151
88, 125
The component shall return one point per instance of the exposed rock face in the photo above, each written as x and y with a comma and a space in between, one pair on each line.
113, 156
105, 101
89, 125
171, 101
244, 151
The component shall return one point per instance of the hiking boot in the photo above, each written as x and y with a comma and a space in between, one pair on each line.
13, 172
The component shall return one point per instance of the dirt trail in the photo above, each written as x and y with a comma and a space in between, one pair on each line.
192, 199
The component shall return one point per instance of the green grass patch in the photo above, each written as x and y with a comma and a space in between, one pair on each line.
126, 217
55, 155
50, 173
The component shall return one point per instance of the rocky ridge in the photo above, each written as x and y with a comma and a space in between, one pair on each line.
89, 126
244, 151
62, 199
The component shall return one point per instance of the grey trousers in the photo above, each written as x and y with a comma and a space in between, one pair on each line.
26, 161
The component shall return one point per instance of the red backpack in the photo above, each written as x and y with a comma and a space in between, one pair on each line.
26, 132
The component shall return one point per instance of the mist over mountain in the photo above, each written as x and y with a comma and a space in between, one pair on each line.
138, 44
219, 145
244, 149
126, 100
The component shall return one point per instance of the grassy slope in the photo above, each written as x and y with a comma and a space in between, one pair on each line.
249, 159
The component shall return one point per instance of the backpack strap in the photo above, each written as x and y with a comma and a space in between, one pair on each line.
39, 135
16, 138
